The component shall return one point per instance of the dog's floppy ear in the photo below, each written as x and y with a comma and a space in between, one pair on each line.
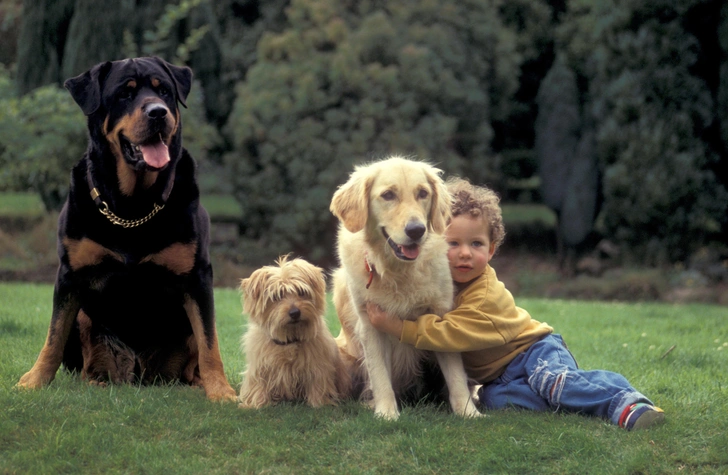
252, 288
181, 76
441, 207
318, 280
86, 88
350, 203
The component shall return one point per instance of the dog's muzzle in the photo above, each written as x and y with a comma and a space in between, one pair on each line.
407, 252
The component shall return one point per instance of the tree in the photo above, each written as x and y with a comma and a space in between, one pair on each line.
346, 83
95, 34
42, 39
42, 135
564, 148
662, 199
723, 75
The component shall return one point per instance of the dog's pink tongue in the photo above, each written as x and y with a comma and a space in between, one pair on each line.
411, 251
156, 155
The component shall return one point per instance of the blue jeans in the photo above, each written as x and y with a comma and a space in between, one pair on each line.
546, 377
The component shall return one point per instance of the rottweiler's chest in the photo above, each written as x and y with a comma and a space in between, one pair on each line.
86, 255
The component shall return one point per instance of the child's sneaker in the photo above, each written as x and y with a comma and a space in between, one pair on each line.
641, 416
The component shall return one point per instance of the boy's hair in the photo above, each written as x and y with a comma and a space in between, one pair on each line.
477, 201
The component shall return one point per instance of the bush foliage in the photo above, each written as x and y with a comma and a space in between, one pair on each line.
345, 84
629, 125
653, 113
42, 135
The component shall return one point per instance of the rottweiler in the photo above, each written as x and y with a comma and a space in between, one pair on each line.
133, 299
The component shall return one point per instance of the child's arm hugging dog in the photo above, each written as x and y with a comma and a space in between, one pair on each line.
516, 359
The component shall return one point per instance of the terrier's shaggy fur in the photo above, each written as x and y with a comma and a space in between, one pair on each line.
290, 353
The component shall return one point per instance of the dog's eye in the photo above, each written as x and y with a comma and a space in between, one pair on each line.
163, 91
388, 195
302, 293
423, 194
126, 94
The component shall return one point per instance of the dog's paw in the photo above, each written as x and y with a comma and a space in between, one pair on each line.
33, 380
467, 410
387, 412
474, 413
220, 392
387, 416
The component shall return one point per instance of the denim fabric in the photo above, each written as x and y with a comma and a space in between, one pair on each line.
546, 377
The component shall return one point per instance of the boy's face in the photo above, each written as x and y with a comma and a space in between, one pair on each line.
469, 249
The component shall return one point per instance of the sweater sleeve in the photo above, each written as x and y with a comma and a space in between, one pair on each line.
485, 317
463, 329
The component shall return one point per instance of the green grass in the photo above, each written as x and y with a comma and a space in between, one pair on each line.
21, 204
225, 206
29, 205
514, 214
70, 427
221, 206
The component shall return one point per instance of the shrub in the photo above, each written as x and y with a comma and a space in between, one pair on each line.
662, 199
42, 135
347, 83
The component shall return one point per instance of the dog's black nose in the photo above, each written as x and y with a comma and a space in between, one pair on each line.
294, 313
156, 111
414, 230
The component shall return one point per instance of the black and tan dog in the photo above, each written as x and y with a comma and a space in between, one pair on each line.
133, 297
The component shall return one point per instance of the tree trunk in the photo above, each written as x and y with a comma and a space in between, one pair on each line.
96, 34
42, 38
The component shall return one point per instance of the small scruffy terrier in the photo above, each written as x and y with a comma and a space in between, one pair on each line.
290, 353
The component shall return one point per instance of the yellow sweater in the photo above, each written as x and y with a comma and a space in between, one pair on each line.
485, 326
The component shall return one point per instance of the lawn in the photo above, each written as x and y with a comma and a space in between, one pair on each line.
678, 355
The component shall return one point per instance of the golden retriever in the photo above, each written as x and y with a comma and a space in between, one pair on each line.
392, 253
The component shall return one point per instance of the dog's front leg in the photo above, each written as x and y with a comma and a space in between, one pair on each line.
201, 314
378, 361
65, 309
451, 365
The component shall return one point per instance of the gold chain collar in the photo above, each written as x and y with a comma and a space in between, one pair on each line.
125, 223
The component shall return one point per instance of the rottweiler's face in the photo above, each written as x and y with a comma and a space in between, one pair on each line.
142, 114
134, 104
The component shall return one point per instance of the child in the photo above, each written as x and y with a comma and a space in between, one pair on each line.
516, 358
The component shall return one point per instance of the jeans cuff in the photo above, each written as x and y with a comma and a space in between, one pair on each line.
622, 401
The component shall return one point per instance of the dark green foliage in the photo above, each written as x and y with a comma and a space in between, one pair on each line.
661, 197
634, 114
42, 135
565, 152
95, 34
557, 132
722, 108
579, 208
43, 33
347, 84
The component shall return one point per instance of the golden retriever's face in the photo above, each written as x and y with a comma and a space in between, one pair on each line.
288, 301
397, 201
400, 202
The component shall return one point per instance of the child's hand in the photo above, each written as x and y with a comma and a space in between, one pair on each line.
383, 322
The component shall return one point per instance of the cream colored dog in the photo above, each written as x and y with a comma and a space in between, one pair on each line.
392, 252
290, 353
